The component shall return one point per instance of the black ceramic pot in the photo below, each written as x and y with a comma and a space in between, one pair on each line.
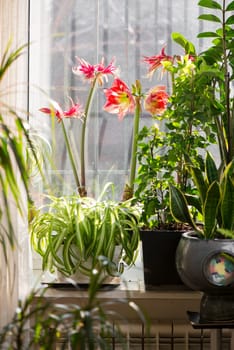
208, 266
159, 249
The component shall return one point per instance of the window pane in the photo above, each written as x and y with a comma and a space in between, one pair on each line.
92, 29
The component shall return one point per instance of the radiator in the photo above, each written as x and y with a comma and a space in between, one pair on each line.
173, 335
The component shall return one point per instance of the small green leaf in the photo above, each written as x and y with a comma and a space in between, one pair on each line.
230, 7
230, 20
208, 35
210, 4
182, 41
209, 17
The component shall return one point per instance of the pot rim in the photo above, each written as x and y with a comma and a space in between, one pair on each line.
194, 235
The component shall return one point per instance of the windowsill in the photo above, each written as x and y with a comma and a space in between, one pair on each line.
164, 302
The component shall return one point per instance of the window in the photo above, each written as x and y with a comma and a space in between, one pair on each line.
92, 29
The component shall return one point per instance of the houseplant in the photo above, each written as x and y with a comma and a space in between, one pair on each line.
161, 153
12, 137
93, 324
162, 148
71, 232
205, 256
212, 239
40, 325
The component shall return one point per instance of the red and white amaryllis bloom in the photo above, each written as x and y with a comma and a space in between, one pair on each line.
155, 61
90, 72
119, 99
74, 112
156, 100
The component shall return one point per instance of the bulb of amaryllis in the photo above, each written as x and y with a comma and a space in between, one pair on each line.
156, 100
119, 99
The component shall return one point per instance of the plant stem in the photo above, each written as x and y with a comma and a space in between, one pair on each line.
134, 142
129, 188
72, 160
229, 125
83, 134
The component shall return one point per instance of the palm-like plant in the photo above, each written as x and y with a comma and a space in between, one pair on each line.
12, 155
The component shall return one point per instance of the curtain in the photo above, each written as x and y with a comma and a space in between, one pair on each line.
14, 277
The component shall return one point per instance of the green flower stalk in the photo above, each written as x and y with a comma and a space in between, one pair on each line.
121, 100
95, 74
72, 160
129, 187
83, 190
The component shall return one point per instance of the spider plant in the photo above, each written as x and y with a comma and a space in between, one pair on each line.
71, 232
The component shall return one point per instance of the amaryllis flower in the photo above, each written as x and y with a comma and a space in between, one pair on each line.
90, 72
156, 100
155, 62
74, 112
119, 99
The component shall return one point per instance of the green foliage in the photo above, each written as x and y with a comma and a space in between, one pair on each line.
162, 154
41, 324
69, 231
215, 201
13, 134
218, 60
200, 113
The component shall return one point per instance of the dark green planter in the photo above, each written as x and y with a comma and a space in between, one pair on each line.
159, 249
